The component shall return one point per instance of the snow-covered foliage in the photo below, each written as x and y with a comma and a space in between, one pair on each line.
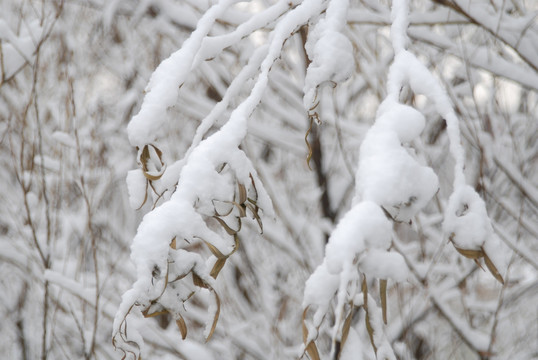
390, 179
157, 187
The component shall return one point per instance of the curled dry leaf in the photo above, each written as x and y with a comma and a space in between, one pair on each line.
145, 196
223, 208
229, 230
310, 150
146, 159
216, 317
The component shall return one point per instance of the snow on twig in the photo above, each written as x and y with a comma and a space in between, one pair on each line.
163, 87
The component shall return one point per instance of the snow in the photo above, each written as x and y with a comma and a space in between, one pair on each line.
384, 349
407, 69
524, 42
400, 23
352, 349
163, 88
405, 120
200, 181
211, 313
498, 253
384, 265
49, 163
235, 87
65, 139
17, 50
466, 220
391, 183
478, 340
94, 91
137, 188
212, 46
320, 287
389, 176
330, 52
364, 225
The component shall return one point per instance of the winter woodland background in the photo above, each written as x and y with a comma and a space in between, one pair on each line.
74, 74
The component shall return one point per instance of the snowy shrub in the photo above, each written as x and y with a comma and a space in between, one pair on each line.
391, 182
348, 179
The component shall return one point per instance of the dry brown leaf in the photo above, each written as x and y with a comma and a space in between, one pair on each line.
383, 296
242, 193
242, 209
470, 254
310, 151
364, 290
493, 269
156, 313
216, 318
253, 192
198, 281
145, 196
227, 228
219, 264
370, 330
215, 251
305, 330
182, 327
312, 351
145, 157
346, 327
222, 208
254, 209
369, 327
310, 348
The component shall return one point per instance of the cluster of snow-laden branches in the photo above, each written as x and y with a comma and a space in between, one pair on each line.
418, 123
208, 187
206, 192
392, 184
205, 196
